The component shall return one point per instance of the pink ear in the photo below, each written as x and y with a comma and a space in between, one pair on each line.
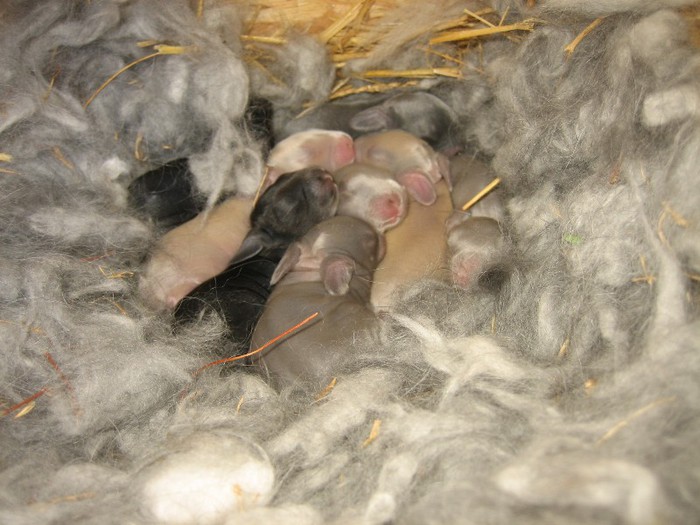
419, 186
336, 272
343, 153
388, 209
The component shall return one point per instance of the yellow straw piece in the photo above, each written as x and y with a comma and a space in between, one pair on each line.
165, 49
467, 34
451, 72
372, 88
373, 433
495, 182
27, 408
342, 22
264, 39
576, 41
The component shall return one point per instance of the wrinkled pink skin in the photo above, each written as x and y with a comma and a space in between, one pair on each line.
475, 239
371, 194
416, 249
330, 150
411, 161
328, 271
194, 252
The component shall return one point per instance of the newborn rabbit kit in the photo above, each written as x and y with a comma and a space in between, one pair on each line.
533, 358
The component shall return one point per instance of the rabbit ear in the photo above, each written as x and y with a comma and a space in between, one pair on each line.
443, 163
336, 273
419, 186
288, 261
271, 177
381, 249
371, 119
251, 246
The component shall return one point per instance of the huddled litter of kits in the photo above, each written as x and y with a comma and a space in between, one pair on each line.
564, 388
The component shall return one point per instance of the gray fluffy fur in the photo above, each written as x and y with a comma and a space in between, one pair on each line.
572, 395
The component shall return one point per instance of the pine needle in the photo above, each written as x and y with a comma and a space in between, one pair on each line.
259, 349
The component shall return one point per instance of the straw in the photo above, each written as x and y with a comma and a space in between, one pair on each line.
576, 41
476, 198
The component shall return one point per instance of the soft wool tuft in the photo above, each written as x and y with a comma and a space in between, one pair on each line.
570, 394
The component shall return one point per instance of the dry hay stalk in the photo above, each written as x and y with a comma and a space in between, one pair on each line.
353, 30
485, 191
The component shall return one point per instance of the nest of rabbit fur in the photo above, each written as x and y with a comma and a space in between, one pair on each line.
571, 394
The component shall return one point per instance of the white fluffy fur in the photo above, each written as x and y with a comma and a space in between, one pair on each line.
571, 395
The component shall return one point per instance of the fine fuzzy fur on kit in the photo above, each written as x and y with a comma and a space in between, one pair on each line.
285, 211
569, 395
